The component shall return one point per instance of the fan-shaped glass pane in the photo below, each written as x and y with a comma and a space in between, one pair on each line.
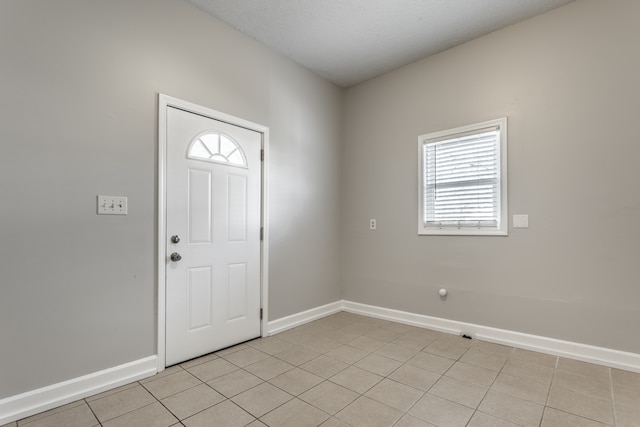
218, 148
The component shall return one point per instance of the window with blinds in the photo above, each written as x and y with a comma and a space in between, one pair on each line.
463, 180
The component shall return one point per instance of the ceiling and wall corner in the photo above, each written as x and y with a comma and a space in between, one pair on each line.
350, 41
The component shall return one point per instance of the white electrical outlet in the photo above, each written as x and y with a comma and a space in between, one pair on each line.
372, 224
112, 205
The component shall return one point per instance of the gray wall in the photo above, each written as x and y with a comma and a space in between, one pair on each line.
568, 82
78, 117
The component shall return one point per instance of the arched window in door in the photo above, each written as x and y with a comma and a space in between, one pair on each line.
217, 147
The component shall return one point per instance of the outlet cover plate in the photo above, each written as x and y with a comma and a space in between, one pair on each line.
112, 205
521, 221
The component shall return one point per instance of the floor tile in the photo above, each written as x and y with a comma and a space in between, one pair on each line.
171, 384
193, 362
154, 415
348, 354
493, 348
356, 379
529, 371
583, 368
554, 418
522, 388
628, 414
626, 395
78, 415
581, 404
269, 368
235, 382
458, 391
246, 357
270, 345
449, 348
296, 381
296, 336
334, 422
409, 421
394, 394
441, 412
365, 412
297, 355
367, 344
117, 404
53, 411
261, 399
534, 358
586, 385
112, 391
431, 362
415, 377
384, 335
343, 336
295, 413
192, 401
478, 357
378, 364
212, 369
473, 374
323, 345
397, 352
480, 419
168, 371
225, 414
229, 350
329, 397
414, 342
625, 379
324, 366
512, 409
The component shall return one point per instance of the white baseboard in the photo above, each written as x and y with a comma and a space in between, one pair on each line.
572, 350
586, 353
32, 402
288, 322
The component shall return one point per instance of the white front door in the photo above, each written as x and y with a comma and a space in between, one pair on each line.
213, 220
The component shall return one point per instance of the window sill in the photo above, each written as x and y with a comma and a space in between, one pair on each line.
461, 232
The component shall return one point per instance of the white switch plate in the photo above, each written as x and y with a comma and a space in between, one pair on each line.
112, 205
521, 221
372, 224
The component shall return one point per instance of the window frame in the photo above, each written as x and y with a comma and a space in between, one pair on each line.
502, 228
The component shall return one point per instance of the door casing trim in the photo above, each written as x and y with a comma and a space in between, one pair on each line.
165, 101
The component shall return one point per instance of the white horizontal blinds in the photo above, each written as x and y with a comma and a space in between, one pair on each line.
462, 180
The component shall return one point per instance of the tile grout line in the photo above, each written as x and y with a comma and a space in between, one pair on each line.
92, 411
489, 389
553, 379
613, 403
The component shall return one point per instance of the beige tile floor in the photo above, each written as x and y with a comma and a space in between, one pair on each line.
350, 370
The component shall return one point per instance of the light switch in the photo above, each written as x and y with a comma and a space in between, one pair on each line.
112, 205
521, 221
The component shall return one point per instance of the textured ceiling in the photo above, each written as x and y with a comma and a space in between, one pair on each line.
350, 41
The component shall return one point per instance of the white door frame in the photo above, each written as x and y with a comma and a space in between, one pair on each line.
164, 102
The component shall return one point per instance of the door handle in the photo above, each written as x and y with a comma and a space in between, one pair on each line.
175, 257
